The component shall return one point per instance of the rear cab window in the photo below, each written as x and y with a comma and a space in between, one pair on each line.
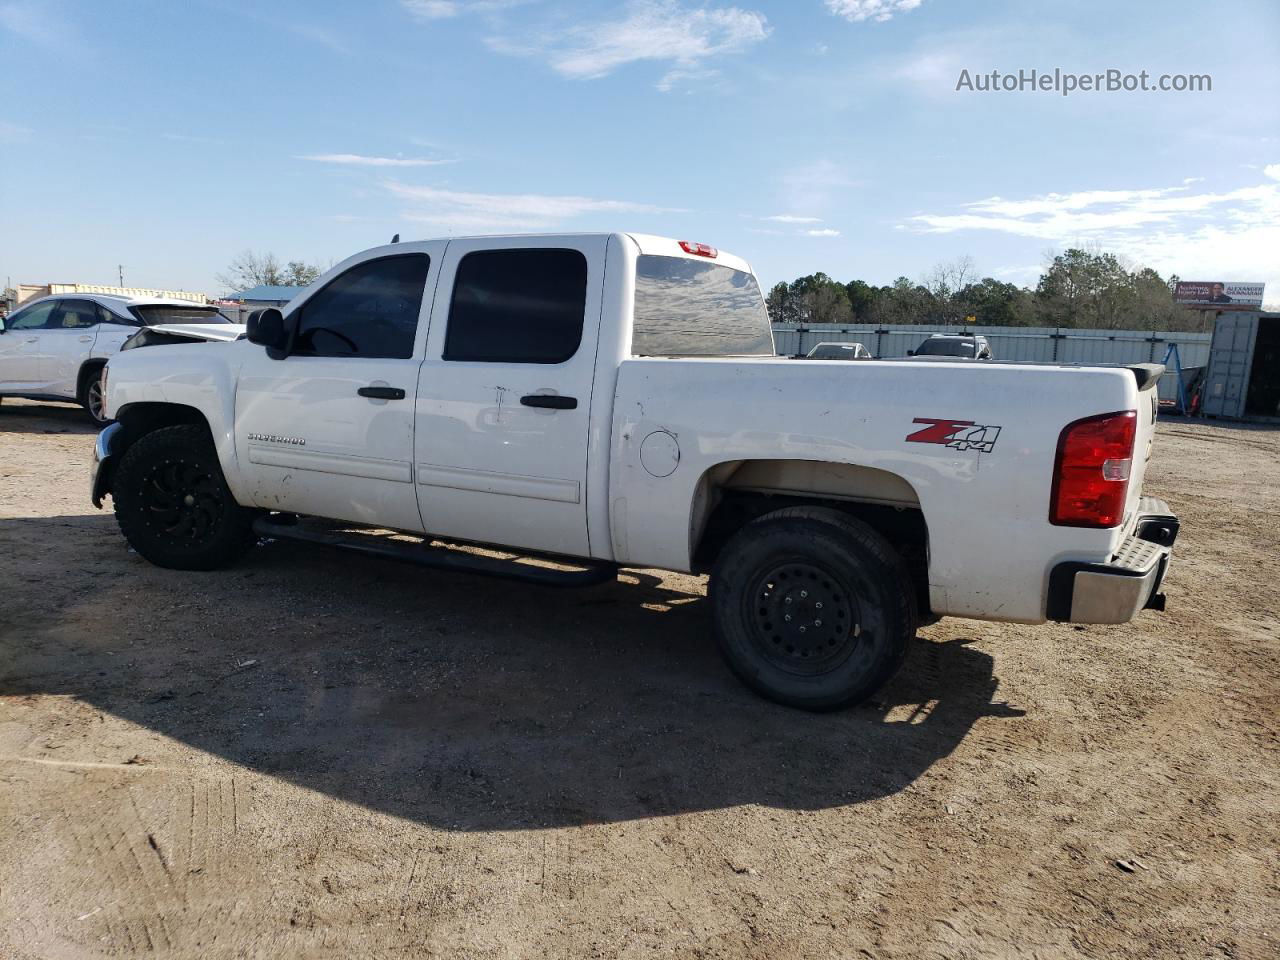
151, 314
692, 308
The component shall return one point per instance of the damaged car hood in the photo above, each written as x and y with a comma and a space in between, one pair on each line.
202, 331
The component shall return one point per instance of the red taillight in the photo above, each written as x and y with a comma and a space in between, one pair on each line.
1091, 473
699, 249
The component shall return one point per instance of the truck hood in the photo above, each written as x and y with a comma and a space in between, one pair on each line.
202, 331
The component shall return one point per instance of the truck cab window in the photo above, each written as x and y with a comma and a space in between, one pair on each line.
370, 310
517, 306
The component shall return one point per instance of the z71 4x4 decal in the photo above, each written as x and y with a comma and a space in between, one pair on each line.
956, 434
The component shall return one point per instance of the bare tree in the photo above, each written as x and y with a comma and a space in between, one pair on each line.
252, 270
947, 279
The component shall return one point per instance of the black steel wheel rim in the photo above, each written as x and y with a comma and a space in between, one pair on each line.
802, 618
182, 500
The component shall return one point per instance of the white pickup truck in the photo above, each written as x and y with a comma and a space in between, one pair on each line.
614, 400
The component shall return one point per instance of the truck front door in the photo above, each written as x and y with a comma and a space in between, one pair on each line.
328, 429
504, 396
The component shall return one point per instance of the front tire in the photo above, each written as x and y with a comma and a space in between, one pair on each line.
812, 608
173, 504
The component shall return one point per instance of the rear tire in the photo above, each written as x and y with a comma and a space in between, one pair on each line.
91, 397
812, 608
173, 504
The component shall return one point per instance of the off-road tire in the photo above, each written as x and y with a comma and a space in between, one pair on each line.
838, 579
173, 504
90, 394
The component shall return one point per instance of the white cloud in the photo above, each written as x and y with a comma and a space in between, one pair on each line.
432, 9
855, 11
1231, 235
1272, 170
1187, 181
813, 185
318, 34
360, 160
664, 31
14, 133
826, 232
791, 218
32, 22
1058, 216
189, 138
444, 9
454, 209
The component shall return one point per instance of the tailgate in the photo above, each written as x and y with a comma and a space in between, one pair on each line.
1147, 376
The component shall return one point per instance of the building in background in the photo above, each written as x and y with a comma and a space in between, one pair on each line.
17, 296
236, 307
264, 296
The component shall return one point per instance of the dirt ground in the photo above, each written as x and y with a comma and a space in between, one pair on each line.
316, 755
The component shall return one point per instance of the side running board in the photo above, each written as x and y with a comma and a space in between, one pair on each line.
426, 554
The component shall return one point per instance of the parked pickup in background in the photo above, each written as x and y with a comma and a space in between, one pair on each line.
614, 400
959, 346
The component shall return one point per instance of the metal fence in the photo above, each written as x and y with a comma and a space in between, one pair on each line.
1044, 344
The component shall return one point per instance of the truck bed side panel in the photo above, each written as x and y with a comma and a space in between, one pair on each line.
985, 498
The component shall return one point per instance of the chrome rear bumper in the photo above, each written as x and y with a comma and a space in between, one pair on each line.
1116, 591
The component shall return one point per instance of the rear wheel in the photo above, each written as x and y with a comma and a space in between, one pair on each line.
812, 608
91, 396
173, 504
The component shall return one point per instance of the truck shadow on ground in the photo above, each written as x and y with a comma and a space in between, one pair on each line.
458, 701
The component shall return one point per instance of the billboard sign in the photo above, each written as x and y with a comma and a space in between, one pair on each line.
1216, 293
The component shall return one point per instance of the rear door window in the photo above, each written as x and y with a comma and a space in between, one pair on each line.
517, 306
75, 315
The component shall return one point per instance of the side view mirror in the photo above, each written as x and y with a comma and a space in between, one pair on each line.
267, 329
911, 353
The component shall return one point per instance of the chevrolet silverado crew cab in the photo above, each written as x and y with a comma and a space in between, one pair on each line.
55, 348
614, 401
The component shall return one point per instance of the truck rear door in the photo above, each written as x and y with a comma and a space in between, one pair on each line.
505, 392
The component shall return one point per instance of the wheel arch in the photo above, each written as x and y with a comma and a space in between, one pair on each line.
89, 367
136, 420
733, 493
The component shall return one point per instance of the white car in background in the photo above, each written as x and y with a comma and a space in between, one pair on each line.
56, 347
836, 350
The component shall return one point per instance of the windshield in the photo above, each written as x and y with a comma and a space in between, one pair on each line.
155, 313
946, 348
836, 351
686, 308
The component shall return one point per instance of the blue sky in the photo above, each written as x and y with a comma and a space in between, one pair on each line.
806, 135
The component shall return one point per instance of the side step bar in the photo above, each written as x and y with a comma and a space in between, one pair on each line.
424, 554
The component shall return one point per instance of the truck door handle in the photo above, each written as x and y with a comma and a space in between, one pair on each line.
381, 393
85, 339
549, 401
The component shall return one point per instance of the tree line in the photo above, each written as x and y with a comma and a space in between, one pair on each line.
1079, 288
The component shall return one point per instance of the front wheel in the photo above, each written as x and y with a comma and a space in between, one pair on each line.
173, 504
812, 608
